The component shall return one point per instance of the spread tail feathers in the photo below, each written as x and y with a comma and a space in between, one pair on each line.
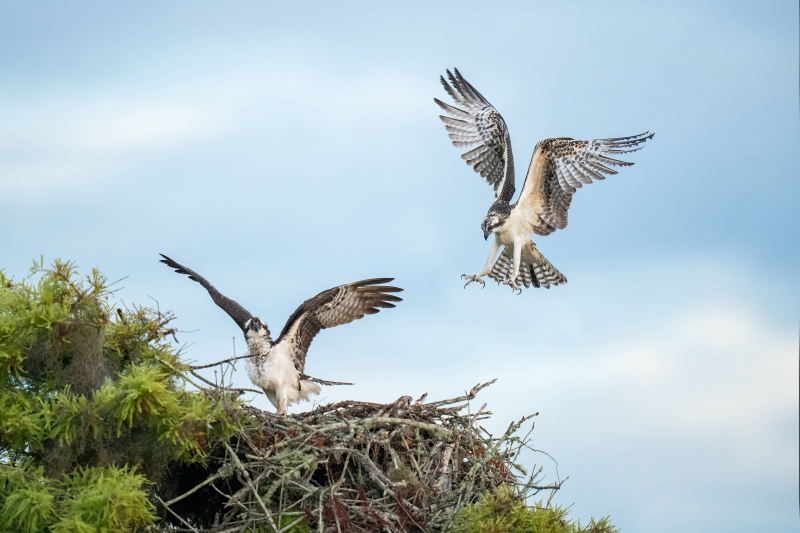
534, 269
307, 388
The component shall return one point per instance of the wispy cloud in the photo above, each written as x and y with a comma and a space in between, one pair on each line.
126, 129
61, 143
708, 374
69, 144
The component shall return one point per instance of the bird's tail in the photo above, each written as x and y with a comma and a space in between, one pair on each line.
534, 268
308, 388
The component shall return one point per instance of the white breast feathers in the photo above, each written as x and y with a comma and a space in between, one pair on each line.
273, 370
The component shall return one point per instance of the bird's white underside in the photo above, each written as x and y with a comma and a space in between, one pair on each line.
512, 234
275, 370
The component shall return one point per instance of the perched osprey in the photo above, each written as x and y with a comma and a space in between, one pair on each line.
558, 167
277, 366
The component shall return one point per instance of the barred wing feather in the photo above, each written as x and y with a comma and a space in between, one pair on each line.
334, 307
561, 166
473, 120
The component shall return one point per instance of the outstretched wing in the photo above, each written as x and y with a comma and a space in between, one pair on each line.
561, 166
476, 121
334, 307
239, 314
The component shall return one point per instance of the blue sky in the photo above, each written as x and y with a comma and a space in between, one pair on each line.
280, 149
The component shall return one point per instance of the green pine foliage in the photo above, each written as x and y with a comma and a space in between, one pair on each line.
92, 406
505, 512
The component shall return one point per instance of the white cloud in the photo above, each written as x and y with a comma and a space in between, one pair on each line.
62, 145
130, 129
714, 378
57, 142
40, 178
347, 116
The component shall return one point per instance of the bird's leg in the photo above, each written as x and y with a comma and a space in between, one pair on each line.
487, 267
512, 279
282, 401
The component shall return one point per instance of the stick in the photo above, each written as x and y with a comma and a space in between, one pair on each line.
229, 360
469, 396
246, 476
192, 491
184, 522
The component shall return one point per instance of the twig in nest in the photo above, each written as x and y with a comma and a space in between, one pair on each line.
246, 475
193, 490
469, 396
179, 517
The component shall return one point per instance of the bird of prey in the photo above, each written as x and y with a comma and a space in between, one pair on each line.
277, 366
558, 168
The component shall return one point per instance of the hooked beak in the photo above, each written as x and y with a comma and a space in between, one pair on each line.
486, 234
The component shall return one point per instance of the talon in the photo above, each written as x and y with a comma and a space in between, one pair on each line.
471, 278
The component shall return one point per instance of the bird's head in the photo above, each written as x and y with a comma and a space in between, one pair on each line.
254, 328
495, 218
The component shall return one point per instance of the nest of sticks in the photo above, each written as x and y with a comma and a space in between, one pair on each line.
352, 466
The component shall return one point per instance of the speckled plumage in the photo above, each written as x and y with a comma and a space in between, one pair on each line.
559, 166
278, 367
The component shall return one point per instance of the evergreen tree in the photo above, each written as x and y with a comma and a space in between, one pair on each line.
92, 407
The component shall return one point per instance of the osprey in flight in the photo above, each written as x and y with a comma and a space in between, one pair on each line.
558, 167
277, 366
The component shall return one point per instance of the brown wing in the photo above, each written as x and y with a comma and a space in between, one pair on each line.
334, 307
239, 314
476, 121
561, 166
